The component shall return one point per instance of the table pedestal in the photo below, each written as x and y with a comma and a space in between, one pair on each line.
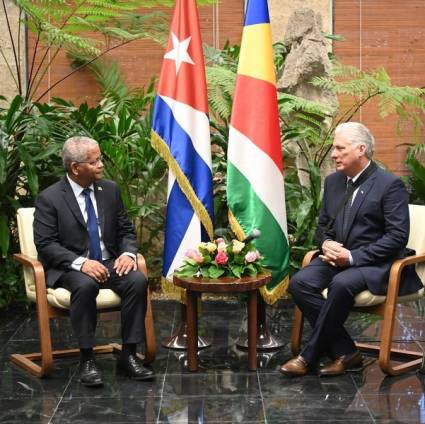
196, 286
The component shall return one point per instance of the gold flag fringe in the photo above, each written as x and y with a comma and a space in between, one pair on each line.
173, 292
280, 291
235, 226
162, 148
281, 288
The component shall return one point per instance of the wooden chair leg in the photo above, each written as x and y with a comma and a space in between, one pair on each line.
297, 331
384, 350
150, 341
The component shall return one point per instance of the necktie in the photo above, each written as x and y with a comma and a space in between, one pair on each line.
347, 207
95, 251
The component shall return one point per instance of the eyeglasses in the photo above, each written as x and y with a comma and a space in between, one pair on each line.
93, 162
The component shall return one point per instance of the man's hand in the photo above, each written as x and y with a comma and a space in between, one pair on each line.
124, 264
96, 270
335, 254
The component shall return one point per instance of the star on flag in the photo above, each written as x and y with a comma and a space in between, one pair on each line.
179, 53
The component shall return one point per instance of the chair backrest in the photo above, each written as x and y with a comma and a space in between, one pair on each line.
417, 235
25, 219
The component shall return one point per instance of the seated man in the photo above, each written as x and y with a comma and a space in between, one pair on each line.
362, 230
86, 241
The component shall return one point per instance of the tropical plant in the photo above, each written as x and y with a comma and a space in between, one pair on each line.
121, 123
90, 27
29, 140
415, 182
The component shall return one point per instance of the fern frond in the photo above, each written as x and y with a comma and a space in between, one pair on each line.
289, 103
221, 84
55, 36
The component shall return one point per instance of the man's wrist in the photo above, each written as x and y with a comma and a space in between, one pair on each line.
77, 264
132, 255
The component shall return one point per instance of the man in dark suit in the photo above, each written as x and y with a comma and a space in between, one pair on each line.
86, 241
359, 240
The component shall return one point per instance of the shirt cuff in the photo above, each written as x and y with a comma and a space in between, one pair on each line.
350, 258
132, 255
78, 263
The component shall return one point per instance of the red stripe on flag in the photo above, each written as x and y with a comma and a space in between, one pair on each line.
255, 114
188, 85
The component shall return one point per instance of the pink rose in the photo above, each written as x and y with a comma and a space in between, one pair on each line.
221, 258
195, 255
251, 257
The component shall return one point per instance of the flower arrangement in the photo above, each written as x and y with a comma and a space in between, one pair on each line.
222, 259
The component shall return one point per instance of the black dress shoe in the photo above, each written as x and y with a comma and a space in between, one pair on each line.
133, 367
90, 375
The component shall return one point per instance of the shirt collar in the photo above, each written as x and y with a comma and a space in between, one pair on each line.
76, 188
360, 173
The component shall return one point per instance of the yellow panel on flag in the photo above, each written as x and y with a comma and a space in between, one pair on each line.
256, 58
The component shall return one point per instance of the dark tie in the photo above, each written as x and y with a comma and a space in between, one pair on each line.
347, 207
95, 252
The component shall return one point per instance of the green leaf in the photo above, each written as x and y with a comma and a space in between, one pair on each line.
236, 270
205, 272
4, 235
216, 272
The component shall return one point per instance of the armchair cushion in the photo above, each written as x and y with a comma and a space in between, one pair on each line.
366, 298
61, 298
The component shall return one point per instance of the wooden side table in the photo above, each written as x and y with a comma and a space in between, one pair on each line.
195, 286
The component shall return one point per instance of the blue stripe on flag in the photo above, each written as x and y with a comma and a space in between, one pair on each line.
257, 12
181, 147
176, 224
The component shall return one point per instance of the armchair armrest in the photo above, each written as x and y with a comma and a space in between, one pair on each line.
141, 264
395, 273
38, 271
309, 256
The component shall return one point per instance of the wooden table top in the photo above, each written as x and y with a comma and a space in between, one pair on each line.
222, 285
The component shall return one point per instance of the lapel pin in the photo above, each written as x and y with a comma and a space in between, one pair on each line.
361, 191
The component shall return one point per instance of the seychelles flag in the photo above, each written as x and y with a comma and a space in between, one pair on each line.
255, 186
181, 135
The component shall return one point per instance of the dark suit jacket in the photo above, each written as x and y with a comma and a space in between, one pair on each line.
60, 232
378, 227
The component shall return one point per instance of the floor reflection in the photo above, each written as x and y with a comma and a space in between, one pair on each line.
223, 391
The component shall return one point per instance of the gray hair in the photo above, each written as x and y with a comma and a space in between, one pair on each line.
75, 150
357, 133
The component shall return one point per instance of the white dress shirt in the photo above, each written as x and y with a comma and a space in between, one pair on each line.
81, 200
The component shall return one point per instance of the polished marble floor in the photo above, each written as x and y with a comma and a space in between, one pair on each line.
223, 391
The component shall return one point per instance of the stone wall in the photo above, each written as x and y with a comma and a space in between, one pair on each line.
8, 87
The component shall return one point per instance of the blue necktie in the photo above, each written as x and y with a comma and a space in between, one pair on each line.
95, 252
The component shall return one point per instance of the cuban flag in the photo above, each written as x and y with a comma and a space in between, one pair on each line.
181, 135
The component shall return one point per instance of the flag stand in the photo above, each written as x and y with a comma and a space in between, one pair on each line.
265, 340
178, 340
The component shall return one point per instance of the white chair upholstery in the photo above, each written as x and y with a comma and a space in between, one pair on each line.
60, 297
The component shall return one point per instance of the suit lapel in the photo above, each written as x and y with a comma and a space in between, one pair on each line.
358, 200
339, 196
100, 200
70, 199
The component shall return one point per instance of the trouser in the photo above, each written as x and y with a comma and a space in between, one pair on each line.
132, 288
326, 316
